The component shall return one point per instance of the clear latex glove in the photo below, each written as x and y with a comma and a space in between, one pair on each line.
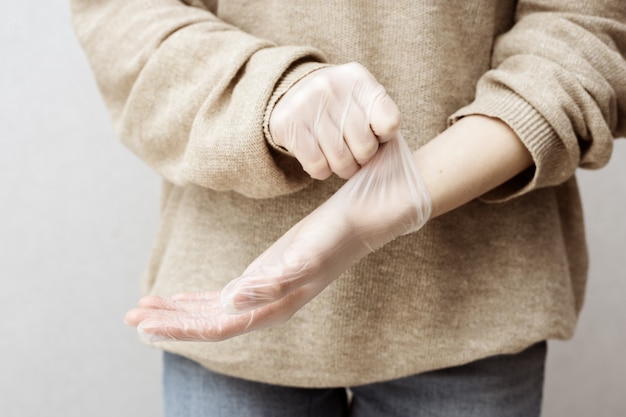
385, 199
334, 119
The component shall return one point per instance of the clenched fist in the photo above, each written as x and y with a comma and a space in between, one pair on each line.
333, 120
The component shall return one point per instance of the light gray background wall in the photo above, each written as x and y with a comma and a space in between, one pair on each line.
77, 216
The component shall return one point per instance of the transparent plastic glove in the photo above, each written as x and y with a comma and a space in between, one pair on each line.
334, 119
199, 317
385, 199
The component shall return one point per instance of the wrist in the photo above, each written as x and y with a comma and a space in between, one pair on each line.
470, 158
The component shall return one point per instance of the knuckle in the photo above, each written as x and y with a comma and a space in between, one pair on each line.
297, 99
278, 118
343, 163
321, 175
322, 84
362, 74
355, 68
318, 170
271, 291
341, 153
365, 152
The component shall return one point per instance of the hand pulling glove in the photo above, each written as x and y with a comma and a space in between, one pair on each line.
385, 199
333, 120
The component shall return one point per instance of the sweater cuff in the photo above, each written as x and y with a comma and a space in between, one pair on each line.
535, 133
294, 73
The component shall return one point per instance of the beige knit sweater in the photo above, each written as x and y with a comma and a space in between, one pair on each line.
190, 86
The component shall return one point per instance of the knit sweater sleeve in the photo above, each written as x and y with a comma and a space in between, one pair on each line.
188, 93
558, 79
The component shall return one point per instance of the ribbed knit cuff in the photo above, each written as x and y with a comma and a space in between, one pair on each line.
294, 73
534, 131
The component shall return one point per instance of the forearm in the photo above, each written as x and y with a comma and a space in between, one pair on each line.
470, 158
188, 92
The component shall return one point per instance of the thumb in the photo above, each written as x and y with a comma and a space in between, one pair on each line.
384, 117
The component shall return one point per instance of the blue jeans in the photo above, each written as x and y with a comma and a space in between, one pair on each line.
502, 386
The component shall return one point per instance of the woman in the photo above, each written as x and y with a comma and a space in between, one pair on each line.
247, 109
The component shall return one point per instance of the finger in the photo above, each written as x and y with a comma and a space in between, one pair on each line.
337, 153
384, 116
136, 315
155, 302
358, 136
315, 163
133, 317
306, 149
294, 133
196, 296
201, 321
382, 112
159, 329
150, 306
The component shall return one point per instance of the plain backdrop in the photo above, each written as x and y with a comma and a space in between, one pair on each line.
78, 213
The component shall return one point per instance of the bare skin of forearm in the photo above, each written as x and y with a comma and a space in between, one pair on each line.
473, 156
